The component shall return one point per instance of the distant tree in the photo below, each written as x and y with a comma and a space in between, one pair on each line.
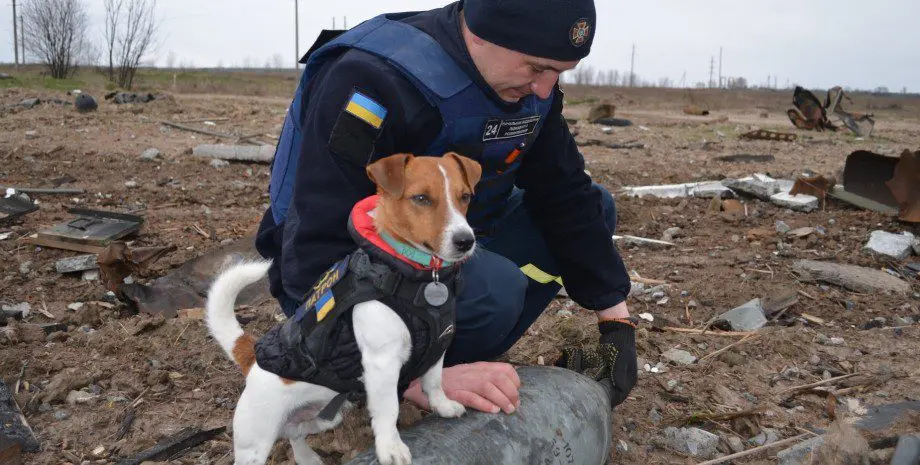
881, 90
130, 31
277, 61
583, 75
737, 83
664, 82
171, 59
57, 33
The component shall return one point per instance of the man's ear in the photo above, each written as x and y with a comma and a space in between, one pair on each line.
471, 169
389, 174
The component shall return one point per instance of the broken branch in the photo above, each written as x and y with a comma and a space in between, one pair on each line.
816, 384
749, 337
756, 449
711, 333
199, 131
173, 446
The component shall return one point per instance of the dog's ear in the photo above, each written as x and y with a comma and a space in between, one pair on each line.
471, 169
389, 173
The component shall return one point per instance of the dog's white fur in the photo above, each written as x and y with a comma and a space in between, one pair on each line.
271, 407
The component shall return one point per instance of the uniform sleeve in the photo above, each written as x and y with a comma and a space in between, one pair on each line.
355, 110
569, 212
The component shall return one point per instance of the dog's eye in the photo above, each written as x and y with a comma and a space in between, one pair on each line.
422, 200
466, 197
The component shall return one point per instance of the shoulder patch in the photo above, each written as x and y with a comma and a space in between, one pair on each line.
321, 299
357, 127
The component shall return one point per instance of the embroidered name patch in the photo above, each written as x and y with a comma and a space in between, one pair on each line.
366, 109
321, 298
507, 128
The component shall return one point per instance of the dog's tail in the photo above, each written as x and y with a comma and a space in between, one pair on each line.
220, 318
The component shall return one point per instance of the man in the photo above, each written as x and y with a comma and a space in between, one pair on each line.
478, 77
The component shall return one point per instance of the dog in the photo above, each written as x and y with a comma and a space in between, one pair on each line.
422, 201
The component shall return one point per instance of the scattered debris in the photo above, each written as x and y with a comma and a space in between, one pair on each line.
78, 263
905, 186
150, 154
808, 113
759, 185
859, 123
801, 453
603, 110
92, 228
693, 441
18, 311
132, 97
173, 446
705, 189
13, 425
42, 190
14, 205
695, 110
747, 317
732, 206
256, 153
634, 240
854, 278
815, 186
611, 145
884, 184
117, 261
762, 134
747, 158
679, 357
669, 234
800, 202
898, 246
882, 416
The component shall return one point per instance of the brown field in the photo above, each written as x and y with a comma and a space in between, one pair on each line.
176, 376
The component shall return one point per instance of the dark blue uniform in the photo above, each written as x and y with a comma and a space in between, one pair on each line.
544, 221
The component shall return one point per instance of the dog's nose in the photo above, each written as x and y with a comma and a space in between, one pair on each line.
464, 241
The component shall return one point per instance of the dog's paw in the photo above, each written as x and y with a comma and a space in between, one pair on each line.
393, 452
447, 408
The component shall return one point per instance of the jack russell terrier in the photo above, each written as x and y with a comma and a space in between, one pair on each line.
375, 321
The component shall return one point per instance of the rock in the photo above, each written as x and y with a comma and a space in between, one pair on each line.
761, 186
25, 267
75, 306
732, 206
747, 317
61, 415
655, 416
801, 453
150, 154
693, 441
85, 103
20, 310
798, 202
658, 294
907, 451
801, 232
766, 436
679, 357
735, 444
877, 322
5, 76
670, 233
90, 275
898, 246
782, 227
31, 134
78, 263
218, 163
61, 384
79, 397
916, 247
901, 321
29, 102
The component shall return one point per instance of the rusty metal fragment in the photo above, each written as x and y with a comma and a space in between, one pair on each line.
769, 135
815, 186
905, 186
861, 124
117, 262
808, 112
696, 110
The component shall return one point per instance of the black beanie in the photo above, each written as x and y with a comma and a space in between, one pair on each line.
559, 30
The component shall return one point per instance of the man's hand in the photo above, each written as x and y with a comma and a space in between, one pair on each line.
614, 361
485, 386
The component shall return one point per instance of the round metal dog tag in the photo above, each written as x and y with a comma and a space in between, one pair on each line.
436, 293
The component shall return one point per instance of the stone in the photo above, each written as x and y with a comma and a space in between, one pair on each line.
761, 186
25, 267
907, 452
670, 233
747, 317
901, 321
692, 441
131, 184
799, 202
898, 246
61, 415
766, 436
78, 397
679, 357
801, 453
782, 227
655, 416
218, 163
29, 102
78, 263
75, 306
31, 134
21, 309
916, 247
735, 444
150, 154
91, 275
706, 189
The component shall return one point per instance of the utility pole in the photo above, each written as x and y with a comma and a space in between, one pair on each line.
22, 38
345, 20
632, 68
712, 67
720, 67
296, 35
15, 36
333, 23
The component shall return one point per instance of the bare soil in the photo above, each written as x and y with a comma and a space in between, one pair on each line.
170, 374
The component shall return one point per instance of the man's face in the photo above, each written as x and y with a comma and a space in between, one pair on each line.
514, 75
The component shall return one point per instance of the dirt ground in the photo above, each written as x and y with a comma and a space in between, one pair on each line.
168, 374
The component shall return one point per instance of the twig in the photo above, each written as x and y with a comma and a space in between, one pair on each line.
756, 449
723, 416
44, 311
22, 373
752, 336
819, 383
199, 131
805, 294
202, 120
200, 231
687, 314
180, 334
712, 333
649, 281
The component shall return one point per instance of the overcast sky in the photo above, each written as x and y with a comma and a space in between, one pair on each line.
816, 43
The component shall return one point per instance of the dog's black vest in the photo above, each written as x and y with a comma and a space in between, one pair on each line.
317, 344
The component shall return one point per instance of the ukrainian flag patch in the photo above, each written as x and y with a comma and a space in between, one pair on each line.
325, 303
366, 109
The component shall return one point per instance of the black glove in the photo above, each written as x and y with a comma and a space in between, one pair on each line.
613, 363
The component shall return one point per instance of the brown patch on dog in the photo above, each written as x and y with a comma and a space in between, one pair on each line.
244, 353
413, 206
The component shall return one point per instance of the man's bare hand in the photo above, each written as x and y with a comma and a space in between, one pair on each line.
485, 386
